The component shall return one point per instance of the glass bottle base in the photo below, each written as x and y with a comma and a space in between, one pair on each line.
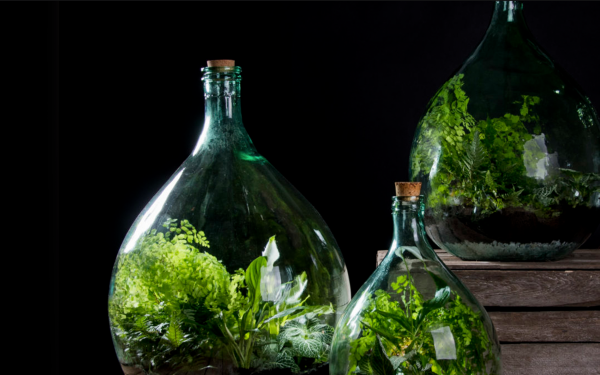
511, 234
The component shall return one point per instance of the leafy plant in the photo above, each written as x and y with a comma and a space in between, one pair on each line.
299, 340
261, 318
491, 163
397, 336
175, 306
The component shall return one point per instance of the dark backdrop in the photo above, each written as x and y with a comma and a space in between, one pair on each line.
332, 93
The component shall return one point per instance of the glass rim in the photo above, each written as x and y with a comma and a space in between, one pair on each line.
221, 69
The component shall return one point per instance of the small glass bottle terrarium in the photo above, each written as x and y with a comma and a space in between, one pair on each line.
228, 269
508, 152
413, 316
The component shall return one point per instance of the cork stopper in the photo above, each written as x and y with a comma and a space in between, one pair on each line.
216, 63
408, 189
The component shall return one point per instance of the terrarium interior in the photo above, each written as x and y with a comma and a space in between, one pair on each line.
509, 152
228, 269
413, 316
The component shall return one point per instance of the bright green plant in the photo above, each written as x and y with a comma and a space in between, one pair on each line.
300, 340
491, 163
176, 306
397, 336
261, 319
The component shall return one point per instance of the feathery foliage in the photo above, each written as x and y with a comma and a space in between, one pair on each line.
493, 163
176, 307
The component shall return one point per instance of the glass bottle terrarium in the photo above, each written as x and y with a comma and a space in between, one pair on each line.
413, 316
228, 269
509, 152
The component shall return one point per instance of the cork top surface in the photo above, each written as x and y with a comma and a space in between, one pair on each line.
216, 63
408, 189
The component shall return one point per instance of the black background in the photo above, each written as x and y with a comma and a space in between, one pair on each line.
332, 93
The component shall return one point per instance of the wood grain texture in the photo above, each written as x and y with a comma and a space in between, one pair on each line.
547, 326
540, 342
581, 259
533, 288
551, 359
511, 285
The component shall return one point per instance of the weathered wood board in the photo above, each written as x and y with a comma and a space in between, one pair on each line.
555, 328
533, 288
525, 284
547, 326
582, 259
551, 359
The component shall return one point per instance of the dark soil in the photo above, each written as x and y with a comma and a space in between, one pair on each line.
322, 370
460, 224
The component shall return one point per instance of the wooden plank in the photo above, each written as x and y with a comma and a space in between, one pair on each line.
547, 326
551, 359
581, 259
533, 288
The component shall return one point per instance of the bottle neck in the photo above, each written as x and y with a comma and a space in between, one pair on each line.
508, 23
223, 127
508, 13
408, 228
508, 44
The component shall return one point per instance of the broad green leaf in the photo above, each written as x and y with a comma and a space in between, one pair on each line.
290, 330
284, 360
402, 320
313, 311
442, 296
253, 279
285, 313
379, 361
397, 361
244, 321
322, 332
309, 339
364, 365
307, 347
439, 282
387, 335
435, 367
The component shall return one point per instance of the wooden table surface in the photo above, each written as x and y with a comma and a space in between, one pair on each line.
546, 314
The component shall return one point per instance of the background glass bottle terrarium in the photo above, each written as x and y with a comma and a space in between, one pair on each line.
509, 152
228, 269
413, 316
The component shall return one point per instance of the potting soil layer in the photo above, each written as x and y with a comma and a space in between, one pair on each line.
511, 234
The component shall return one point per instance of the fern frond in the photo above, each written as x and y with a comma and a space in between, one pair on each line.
474, 156
175, 334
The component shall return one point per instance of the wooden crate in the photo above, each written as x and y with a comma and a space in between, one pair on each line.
546, 314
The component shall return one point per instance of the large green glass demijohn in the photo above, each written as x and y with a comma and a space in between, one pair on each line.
509, 152
413, 316
228, 269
